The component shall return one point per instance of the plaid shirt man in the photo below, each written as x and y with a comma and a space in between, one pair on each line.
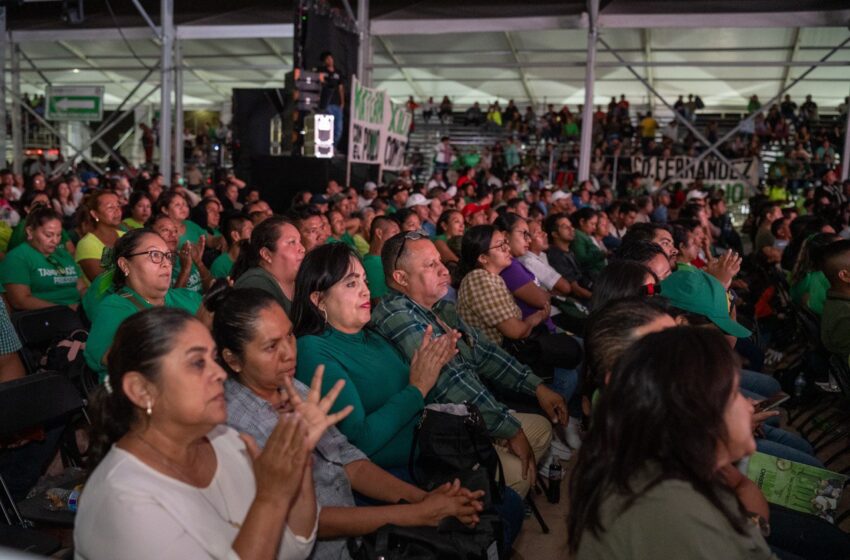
403, 322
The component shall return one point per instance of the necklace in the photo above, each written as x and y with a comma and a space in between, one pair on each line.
163, 460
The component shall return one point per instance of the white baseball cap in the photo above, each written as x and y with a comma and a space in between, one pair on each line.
559, 195
370, 186
696, 194
416, 199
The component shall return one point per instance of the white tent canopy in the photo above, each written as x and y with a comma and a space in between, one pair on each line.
532, 52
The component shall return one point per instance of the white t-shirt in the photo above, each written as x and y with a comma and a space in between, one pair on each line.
130, 511
540, 267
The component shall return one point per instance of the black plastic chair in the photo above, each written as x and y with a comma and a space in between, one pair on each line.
39, 327
42, 400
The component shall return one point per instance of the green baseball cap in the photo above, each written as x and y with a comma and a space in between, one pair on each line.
699, 292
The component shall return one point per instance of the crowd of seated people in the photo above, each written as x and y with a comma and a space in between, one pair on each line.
808, 143
239, 348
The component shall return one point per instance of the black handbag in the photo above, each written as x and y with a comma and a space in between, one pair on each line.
450, 541
452, 442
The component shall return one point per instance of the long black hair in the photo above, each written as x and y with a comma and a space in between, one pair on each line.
235, 313
610, 330
507, 222
619, 279
475, 242
811, 255
321, 268
663, 407
140, 343
264, 235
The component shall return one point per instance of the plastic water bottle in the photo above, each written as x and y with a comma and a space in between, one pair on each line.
553, 489
800, 385
63, 499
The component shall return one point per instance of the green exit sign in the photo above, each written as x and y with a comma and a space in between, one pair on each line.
74, 103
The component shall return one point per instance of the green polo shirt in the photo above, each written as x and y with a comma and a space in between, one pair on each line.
100, 287
194, 282
815, 285
221, 266
375, 275
129, 224
193, 233
118, 306
52, 277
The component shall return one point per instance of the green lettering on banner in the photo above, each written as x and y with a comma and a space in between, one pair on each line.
735, 193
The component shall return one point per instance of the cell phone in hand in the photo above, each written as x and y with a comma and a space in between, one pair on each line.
772, 402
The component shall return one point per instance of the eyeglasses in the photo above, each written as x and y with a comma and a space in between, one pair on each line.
157, 256
412, 236
502, 246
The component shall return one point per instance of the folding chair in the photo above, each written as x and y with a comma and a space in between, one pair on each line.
43, 400
39, 327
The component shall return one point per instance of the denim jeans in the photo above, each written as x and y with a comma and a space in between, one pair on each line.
336, 111
566, 383
786, 445
761, 384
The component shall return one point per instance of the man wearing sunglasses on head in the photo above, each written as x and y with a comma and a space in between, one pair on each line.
417, 280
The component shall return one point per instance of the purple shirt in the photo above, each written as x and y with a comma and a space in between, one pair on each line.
516, 276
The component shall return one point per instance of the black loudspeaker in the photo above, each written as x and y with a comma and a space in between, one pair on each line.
279, 178
253, 110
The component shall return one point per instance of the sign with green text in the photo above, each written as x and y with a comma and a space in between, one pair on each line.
74, 103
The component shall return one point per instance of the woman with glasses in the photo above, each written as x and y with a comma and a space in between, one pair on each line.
103, 216
40, 272
484, 301
142, 265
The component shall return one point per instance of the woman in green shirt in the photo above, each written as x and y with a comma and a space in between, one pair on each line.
29, 201
207, 215
188, 271
142, 279
687, 245
330, 313
449, 226
237, 228
39, 272
808, 283
270, 260
655, 477
140, 211
175, 206
588, 255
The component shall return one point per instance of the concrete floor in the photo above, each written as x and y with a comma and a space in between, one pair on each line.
532, 544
